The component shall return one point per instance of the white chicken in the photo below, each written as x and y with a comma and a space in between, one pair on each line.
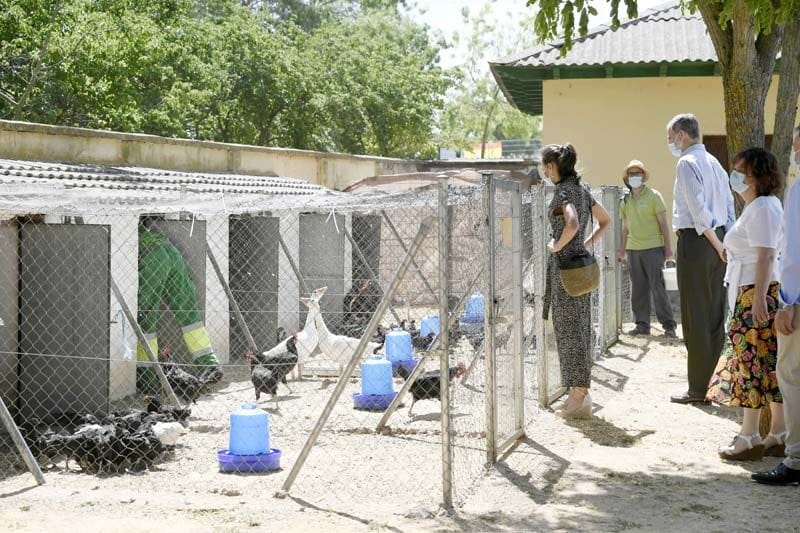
307, 340
337, 348
169, 432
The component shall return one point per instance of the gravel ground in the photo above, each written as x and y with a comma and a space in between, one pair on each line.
642, 464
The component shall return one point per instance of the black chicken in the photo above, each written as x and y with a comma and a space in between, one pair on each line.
427, 386
111, 444
186, 386
267, 373
153, 405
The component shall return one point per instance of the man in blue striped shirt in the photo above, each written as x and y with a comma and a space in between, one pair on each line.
787, 322
702, 213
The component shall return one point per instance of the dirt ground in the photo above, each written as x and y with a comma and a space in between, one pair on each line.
642, 464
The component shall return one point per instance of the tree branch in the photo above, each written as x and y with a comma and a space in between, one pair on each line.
722, 38
767, 46
37, 66
8, 98
788, 91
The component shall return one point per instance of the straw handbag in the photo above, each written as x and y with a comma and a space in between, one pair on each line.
580, 274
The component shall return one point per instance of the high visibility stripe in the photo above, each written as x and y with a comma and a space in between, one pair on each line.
197, 341
152, 341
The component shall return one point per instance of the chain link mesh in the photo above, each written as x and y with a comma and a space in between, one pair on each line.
230, 302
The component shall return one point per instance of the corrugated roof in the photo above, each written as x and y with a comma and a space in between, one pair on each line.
662, 35
147, 179
662, 42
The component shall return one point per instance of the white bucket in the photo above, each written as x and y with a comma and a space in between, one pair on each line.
671, 278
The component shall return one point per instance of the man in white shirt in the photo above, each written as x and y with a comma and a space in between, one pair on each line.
787, 322
702, 213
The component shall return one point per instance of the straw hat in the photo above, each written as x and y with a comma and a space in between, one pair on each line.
635, 163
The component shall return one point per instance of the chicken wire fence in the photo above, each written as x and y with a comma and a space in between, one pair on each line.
133, 326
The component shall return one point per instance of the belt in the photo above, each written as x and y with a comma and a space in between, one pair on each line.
680, 231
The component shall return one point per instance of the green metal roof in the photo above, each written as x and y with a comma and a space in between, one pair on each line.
662, 42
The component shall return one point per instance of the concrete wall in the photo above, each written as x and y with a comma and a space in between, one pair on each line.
9, 294
611, 121
39, 142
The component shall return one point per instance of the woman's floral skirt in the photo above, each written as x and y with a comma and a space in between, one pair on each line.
745, 374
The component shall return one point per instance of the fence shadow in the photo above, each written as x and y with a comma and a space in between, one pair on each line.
605, 433
617, 501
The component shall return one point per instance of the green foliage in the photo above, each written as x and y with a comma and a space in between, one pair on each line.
225, 70
555, 19
478, 106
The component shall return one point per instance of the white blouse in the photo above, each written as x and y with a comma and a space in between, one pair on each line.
760, 226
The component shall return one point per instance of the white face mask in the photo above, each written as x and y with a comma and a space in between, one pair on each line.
635, 180
793, 160
674, 150
737, 182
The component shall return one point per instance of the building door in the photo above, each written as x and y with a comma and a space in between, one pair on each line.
64, 304
717, 146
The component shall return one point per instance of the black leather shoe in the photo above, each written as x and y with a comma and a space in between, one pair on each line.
639, 331
782, 475
688, 397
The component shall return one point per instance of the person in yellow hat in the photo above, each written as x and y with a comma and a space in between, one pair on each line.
645, 247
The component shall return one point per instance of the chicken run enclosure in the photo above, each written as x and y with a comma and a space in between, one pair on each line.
122, 287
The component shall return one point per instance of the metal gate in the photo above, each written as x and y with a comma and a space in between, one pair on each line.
504, 332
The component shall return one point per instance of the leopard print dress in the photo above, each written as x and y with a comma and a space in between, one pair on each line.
572, 319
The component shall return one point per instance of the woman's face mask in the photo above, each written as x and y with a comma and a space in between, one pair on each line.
635, 180
737, 182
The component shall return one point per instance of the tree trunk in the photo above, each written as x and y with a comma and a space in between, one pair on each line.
489, 113
747, 62
788, 93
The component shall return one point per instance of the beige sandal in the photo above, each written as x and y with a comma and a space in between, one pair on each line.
584, 410
778, 449
753, 452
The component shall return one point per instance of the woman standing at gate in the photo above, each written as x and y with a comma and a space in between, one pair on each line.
570, 212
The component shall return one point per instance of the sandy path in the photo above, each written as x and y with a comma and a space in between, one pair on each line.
642, 464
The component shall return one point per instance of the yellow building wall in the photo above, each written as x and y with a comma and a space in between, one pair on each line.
611, 121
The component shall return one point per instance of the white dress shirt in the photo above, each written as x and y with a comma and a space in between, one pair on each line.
789, 275
702, 198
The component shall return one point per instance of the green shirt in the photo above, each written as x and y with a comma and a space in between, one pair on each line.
640, 214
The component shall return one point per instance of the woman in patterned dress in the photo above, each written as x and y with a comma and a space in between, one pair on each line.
570, 211
745, 375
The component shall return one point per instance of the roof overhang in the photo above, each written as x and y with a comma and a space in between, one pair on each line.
523, 85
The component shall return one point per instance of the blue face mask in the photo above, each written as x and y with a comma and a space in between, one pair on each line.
635, 181
737, 182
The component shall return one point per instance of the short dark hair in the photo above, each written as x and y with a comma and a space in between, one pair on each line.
564, 156
687, 123
763, 167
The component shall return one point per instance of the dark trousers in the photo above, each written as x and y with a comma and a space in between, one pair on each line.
647, 278
701, 274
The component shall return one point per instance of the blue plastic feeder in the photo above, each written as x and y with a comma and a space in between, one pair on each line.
474, 309
249, 449
373, 403
376, 376
249, 431
430, 324
408, 364
262, 462
377, 390
398, 345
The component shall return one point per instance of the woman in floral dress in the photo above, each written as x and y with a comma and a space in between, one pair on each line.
745, 375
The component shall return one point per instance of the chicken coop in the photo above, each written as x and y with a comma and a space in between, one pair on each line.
122, 284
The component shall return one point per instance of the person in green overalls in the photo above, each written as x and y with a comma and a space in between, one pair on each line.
163, 275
